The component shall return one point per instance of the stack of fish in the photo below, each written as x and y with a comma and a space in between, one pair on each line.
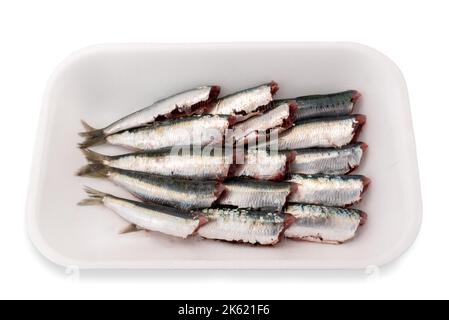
241, 168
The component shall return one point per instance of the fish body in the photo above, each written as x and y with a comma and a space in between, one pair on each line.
197, 130
181, 104
175, 192
339, 191
242, 225
245, 103
336, 161
262, 165
321, 133
199, 164
146, 216
246, 193
278, 117
323, 224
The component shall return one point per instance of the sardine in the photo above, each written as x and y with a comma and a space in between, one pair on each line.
147, 216
339, 191
176, 192
181, 104
261, 164
166, 162
246, 103
321, 133
324, 224
242, 225
328, 160
245, 193
281, 116
197, 130
325, 105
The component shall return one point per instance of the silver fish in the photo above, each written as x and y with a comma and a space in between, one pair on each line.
146, 216
247, 102
328, 160
261, 164
281, 116
195, 130
166, 162
179, 193
184, 103
241, 225
323, 224
321, 133
325, 105
339, 191
245, 193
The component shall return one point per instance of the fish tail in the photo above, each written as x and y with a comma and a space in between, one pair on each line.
94, 157
95, 197
91, 136
95, 170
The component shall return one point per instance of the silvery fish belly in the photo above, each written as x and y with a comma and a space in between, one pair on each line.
277, 117
183, 162
326, 105
335, 161
147, 216
247, 102
176, 192
181, 104
321, 133
261, 164
195, 130
323, 224
328, 190
242, 225
246, 193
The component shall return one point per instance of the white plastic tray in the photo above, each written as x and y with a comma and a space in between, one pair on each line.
103, 83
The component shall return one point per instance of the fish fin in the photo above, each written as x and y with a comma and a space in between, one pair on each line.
91, 136
93, 156
95, 170
130, 228
95, 197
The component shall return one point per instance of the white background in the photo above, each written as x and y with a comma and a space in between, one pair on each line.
36, 35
